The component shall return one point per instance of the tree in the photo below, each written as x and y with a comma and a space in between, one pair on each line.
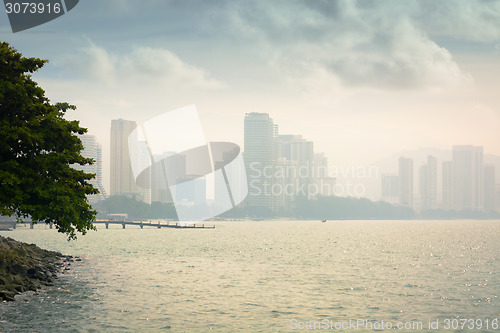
37, 147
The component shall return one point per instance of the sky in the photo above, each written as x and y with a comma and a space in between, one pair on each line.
362, 79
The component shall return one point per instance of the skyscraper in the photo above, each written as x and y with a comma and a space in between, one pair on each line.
469, 182
295, 148
489, 187
428, 184
448, 186
324, 183
390, 188
171, 164
497, 197
122, 176
406, 182
92, 149
259, 154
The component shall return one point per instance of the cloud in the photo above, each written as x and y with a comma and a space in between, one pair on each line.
141, 65
474, 20
374, 44
398, 58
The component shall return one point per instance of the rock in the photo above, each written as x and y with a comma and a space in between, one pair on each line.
26, 267
18, 269
7, 295
34, 285
19, 288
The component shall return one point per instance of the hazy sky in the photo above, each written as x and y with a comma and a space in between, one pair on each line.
362, 79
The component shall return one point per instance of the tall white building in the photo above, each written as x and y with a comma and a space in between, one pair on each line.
286, 182
295, 148
428, 184
169, 166
324, 183
122, 180
259, 153
469, 182
489, 188
448, 186
497, 197
92, 149
390, 188
406, 182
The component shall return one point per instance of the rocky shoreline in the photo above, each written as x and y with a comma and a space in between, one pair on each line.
26, 267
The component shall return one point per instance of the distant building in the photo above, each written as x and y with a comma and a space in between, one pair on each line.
295, 148
469, 181
320, 165
285, 184
324, 183
192, 190
390, 188
489, 188
280, 168
92, 149
448, 181
497, 201
406, 182
170, 166
428, 184
228, 181
260, 147
122, 177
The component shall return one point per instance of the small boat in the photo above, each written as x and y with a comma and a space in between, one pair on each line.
323, 221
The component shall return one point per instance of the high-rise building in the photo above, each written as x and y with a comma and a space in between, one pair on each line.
448, 186
193, 191
406, 182
286, 181
489, 188
122, 176
469, 182
428, 184
259, 155
295, 148
92, 149
320, 165
390, 188
170, 166
325, 184
497, 197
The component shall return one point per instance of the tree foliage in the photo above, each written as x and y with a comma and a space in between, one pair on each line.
37, 147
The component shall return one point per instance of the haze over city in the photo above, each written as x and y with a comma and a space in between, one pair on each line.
358, 82
260, 166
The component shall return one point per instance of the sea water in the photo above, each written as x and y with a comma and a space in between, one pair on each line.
269, 276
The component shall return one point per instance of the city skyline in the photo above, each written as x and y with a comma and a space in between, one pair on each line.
262, 165
339, 171
466, 183
418, 188
92, 149
359, 83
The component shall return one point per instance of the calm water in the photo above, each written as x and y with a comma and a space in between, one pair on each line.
264, 276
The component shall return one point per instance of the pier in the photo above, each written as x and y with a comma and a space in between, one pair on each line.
123, 223
157, 224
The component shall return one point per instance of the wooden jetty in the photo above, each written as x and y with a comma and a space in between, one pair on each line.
141, 224
157, 224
